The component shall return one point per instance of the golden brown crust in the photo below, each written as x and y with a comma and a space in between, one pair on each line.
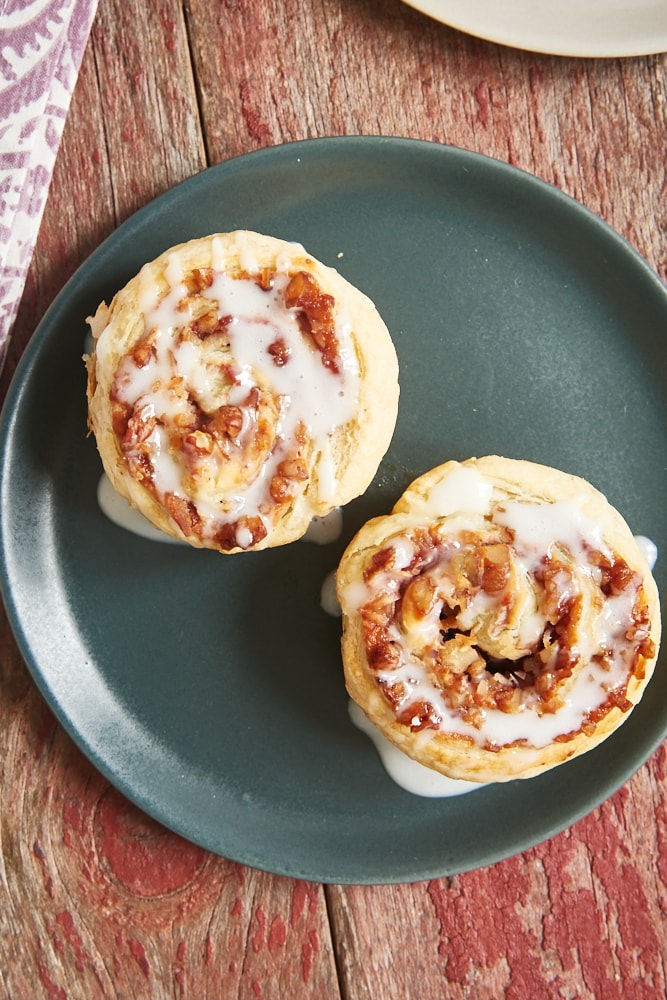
316, 473
498, 675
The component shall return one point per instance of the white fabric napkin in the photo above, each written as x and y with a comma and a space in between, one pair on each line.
41, 47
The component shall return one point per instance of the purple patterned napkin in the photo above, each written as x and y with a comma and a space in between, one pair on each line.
41, 47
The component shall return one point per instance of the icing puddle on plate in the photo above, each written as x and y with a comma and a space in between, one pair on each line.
410, 775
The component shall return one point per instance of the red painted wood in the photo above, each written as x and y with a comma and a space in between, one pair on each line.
98, 900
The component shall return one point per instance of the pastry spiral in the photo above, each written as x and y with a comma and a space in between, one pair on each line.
501, 620
238, 388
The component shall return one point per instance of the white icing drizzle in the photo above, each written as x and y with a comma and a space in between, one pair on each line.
306, 390
648, 549
463, 490
410, 775
328, 597
324, 530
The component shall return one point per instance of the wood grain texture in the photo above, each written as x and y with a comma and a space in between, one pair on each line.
582, 916
97, 900
369, 67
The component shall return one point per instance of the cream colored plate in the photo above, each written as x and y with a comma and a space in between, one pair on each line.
565, 27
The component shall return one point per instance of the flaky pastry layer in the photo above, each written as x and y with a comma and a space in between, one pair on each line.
500, 621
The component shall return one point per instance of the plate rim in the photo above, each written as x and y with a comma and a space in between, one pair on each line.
569, 45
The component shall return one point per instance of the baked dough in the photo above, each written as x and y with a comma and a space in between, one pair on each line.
238, 388
501, 620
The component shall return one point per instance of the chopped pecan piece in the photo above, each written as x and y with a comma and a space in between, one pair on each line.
280, 352
265, 279
209, 324
293, 468
315, 314
226, 422
143, 352
280, 489
199, 443
139, 428
120, 415
384, 656
419, 601
419, 715
183, 512
199, 279
395, 694
496, 567
459, 654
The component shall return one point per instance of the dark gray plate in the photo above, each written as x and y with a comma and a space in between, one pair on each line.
208, 688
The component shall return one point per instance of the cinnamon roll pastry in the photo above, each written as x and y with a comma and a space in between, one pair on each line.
501, 620
238, 388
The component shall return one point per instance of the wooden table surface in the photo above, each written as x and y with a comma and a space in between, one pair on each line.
97, 899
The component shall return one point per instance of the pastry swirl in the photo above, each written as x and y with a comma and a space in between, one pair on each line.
238, 388
501, 620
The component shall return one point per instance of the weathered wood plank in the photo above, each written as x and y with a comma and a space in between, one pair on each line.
150, 115
98, 900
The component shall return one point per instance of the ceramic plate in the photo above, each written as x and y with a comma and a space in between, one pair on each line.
209, 689
562, 27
